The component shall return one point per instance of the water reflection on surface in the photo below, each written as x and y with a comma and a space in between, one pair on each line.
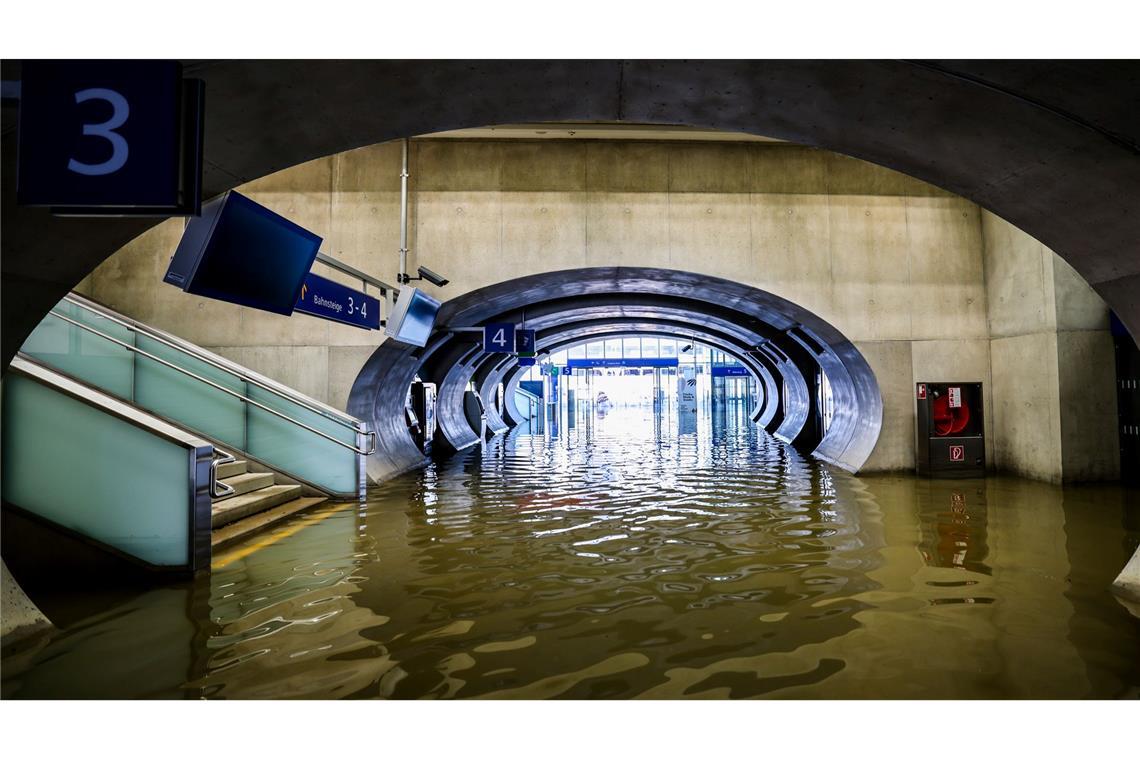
624, 559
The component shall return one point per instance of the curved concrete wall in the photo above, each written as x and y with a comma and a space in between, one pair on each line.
772, 412
487, 379
510, 409
455, 431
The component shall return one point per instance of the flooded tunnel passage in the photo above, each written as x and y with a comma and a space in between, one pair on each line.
626, 558
784, 347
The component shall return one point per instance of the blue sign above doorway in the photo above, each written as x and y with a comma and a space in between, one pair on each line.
730, 370
657, 362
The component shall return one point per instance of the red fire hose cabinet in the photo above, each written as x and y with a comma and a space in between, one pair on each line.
951, 430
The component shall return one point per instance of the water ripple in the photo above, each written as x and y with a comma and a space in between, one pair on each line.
626, 557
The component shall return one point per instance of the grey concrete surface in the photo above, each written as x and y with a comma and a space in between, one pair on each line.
1127, 584
1052, 366
891, 262
19, 616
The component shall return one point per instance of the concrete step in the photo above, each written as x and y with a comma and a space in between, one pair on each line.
247, 482
242, 528
240, 467
234, 508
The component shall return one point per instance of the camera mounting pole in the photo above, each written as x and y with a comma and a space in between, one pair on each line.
402, 275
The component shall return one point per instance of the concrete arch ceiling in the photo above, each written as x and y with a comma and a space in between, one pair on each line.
577, 303
1050, 146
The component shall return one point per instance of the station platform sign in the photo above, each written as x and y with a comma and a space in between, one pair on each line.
322, 297
120, 138
499, 338
669, 361
730, 370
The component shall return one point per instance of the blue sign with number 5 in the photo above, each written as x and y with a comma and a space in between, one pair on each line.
499, 338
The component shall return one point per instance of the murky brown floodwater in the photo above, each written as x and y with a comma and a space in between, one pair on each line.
623, 560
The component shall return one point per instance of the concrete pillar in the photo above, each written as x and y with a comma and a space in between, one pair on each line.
1053, 394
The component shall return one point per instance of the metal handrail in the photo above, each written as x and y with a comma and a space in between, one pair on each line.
245, 399
135, 326
218, 489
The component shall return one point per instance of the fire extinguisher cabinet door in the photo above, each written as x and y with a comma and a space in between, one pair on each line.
951, 430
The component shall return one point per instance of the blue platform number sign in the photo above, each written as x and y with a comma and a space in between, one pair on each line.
101, 134
499, 338
524, 342
330, 300
527, 361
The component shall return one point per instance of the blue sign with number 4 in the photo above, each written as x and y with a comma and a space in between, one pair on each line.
499, 338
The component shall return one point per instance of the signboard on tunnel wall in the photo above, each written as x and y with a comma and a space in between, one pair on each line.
499, 338
729, 371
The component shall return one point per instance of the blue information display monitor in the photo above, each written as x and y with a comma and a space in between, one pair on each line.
524, 342
240, 251
499, 338
527, 361
413, 317
321, 297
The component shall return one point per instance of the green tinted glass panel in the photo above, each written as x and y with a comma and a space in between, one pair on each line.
299, 451
187, 400
82, 354
95, 474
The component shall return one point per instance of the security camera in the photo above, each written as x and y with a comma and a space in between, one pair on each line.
687, 348
435, 279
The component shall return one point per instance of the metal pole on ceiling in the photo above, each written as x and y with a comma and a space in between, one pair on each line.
402, 276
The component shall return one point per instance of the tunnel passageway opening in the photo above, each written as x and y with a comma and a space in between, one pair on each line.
785, 349
674, 380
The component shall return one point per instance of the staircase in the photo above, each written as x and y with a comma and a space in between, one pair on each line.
122, 407
257, 500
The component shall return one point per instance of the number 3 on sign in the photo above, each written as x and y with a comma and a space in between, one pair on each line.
120, 111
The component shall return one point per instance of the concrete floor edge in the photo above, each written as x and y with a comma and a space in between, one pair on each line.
20, 618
